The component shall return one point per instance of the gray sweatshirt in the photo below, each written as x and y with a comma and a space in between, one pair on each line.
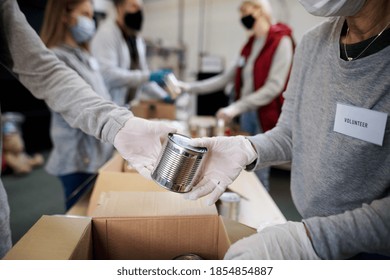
73, 150
40, 71
339, 184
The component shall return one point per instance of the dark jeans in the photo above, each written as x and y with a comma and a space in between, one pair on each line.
75, 185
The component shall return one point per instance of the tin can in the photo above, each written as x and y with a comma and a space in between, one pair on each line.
178, 164
190, 256
202, 126
220, 128
228, 205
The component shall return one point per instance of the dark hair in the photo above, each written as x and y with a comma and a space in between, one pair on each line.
118, 2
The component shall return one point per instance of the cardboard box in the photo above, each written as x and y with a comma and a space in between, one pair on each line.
114, 177
153, 109
136, 225
256, 207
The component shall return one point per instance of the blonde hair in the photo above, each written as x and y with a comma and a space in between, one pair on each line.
265, 5
53, 28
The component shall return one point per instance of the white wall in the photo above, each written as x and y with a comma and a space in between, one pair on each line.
223, 34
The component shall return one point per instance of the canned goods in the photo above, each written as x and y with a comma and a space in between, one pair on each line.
188, 257
202, 126
178, 164
228, 205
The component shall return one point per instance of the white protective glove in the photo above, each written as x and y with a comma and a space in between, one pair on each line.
225, 159
139, 142
288, 241
185, 87
228, 113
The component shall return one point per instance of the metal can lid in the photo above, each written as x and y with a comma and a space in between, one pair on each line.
182, 141
189, 256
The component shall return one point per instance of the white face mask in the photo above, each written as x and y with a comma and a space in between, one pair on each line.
328, 8
84, 29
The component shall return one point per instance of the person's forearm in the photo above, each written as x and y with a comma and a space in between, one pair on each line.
116, 77
275, 146
365, 229
39, 70
213, 84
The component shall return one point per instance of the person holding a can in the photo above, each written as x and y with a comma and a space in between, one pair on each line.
260, 74
121, 53
65, 92
335, 130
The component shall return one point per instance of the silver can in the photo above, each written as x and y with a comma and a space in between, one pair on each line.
228, 205
190, 256
178, 164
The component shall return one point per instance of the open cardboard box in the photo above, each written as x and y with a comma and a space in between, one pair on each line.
256, 206
115, 175
131, 226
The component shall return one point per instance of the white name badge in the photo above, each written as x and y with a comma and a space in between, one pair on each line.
360, 123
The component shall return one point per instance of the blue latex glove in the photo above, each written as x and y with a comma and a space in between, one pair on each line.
168, 100
159, 76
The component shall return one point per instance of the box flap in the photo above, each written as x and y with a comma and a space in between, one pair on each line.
236, 230
112, 178
230, 232
54, 238
149, 204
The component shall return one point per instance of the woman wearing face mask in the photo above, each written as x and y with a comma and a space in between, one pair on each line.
121, 53
260, 74
67, 29
335, 129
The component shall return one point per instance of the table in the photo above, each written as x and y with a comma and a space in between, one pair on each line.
256, 208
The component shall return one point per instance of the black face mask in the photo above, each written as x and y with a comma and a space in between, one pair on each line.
248, 21
134, 20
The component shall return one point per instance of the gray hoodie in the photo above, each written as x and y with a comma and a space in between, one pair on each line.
39, 70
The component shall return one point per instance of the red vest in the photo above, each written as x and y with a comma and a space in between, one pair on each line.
268, 114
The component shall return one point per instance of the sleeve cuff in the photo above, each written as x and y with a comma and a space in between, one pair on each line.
251, 166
